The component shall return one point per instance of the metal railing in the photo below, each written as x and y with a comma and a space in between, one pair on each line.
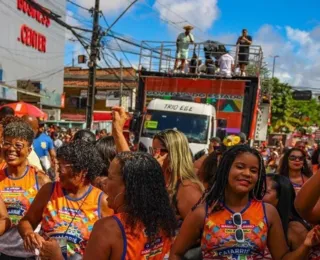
161, 57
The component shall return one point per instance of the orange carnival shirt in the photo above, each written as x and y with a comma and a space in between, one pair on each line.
137, 246
218, 238
72, 219
18, 194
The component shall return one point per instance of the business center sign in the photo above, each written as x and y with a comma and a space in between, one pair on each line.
29, 36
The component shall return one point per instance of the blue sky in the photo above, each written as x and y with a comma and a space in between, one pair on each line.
287, 28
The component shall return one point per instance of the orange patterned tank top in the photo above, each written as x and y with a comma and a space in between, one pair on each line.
137, 247
18, 194
218, 238
72, 219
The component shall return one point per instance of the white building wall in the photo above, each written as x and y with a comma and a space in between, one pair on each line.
21, 62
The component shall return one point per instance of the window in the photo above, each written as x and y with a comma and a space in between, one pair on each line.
195, 127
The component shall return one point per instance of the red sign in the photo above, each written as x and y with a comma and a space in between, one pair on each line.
25, 7
33, 39
28, 36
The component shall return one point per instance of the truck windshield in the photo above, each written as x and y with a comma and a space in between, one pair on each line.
195, 127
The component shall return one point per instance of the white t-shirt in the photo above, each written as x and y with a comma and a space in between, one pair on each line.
34, 160
225, 62
184, 41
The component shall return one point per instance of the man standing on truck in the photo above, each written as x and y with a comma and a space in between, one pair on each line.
183, 41
226, 64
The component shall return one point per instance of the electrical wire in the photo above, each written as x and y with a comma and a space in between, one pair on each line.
113, 71
79, 6
105, 20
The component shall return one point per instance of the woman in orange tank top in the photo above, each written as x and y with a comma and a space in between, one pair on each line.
144, 223
19, 183
68, 209
232, 222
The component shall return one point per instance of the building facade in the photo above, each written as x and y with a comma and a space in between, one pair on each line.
31, 53
107, 92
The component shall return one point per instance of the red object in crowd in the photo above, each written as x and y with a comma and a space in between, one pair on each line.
21, 108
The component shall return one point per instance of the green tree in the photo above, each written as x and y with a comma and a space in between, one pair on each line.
289, 113
282, 107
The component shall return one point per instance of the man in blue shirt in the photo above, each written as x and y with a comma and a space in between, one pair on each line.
43, 146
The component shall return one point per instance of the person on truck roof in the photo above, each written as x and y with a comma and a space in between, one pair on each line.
183, 41
244, 41
226, 64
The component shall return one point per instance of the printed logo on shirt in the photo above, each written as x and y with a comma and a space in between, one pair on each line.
43, 145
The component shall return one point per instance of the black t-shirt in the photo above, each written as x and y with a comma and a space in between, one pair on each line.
244, 48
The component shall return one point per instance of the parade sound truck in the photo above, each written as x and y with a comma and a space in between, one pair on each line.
199, 105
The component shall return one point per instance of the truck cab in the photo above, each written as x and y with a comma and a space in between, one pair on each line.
196, 121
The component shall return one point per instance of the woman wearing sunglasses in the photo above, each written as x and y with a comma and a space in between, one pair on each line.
19, 184
294, 165
67, 209
233, 223
171, 149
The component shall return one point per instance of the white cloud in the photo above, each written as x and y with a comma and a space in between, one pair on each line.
299, 51
201, 13
109, 7
299, 36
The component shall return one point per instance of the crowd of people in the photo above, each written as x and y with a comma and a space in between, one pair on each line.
99, 200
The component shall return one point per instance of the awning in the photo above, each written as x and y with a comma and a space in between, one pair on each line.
73, 117
97, 116
106, 116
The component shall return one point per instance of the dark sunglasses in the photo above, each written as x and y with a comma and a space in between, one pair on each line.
158, 150
237, 221
296, 158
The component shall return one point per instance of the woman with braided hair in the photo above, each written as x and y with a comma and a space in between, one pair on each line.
232, 222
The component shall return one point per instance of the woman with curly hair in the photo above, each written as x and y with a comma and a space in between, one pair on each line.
67, 209
19, 184
233, 222
33, 158
144, 223
294, 165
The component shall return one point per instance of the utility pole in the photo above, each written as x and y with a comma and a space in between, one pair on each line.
274, 64
121, 82
93, 64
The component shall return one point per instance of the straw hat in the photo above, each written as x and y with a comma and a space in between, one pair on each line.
188, 27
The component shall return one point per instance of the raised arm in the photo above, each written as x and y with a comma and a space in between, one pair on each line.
307, 201
118, 121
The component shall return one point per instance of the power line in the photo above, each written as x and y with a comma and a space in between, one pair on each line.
105, 20
79, 6
120, 16
113, 71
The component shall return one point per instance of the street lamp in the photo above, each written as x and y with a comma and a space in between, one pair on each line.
274, 64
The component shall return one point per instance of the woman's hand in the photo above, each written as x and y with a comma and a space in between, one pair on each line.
119, 119
33, 241
51, 250
160, 158
313, 237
